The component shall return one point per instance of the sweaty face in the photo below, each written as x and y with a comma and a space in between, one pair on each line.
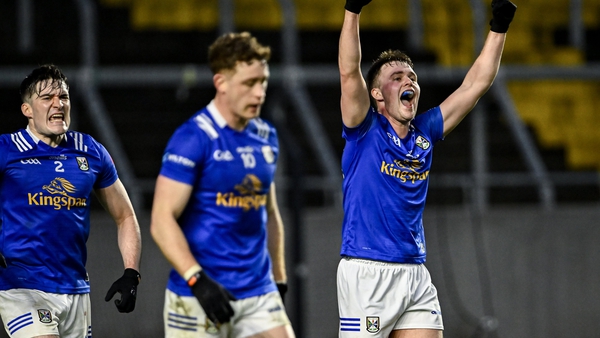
48, 111
400, 91
246, 89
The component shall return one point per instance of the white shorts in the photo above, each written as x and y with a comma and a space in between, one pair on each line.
185, 318
28, 313
376, 298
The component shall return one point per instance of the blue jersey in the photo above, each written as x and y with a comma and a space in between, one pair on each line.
45, 208
225, 218
385, 186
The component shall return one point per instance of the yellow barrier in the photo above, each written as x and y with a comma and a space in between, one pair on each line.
563, 113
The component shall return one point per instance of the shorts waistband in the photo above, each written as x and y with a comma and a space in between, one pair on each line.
378, 263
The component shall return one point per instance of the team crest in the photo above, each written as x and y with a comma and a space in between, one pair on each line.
45, 316
372, 324
268, 154
83, 163
422, 143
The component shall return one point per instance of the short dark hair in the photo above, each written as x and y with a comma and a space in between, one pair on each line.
48, 74
384, 58
231, 48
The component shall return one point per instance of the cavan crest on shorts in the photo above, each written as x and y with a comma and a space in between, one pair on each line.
45, 316
372, 324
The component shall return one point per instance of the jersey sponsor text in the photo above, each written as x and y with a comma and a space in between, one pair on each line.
61, 188
403, 175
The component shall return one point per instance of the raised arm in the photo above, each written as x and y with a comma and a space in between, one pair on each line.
355, 97
482, 73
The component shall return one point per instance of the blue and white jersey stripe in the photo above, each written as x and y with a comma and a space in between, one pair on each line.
21, 143
205, 124
262, 128
78, 141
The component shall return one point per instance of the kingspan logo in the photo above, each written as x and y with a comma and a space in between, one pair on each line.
60, 190
248, 196
404, 170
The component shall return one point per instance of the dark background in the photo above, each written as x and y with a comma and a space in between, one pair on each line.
514, 269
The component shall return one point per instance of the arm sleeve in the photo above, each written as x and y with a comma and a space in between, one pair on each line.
108, 174
355, 133
184, 155
431, 122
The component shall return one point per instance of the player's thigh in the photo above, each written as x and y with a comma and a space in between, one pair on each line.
261, 316
278, 332
76, 320
31, 313
184, 318
417, 333
424, 312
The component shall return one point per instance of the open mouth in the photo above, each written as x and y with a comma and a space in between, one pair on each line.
254, 107
57, 118
407, 97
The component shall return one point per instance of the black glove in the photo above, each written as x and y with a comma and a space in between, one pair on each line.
355, 6
127, 287
282, 287
2, 261
213, 297
503, 11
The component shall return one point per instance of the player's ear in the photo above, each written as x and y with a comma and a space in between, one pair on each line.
27, 110
220, 82
376, 94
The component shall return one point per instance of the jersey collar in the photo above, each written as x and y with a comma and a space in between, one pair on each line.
216, 114
33, 137
36, 139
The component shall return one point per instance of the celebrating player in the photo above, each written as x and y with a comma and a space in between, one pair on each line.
384, 290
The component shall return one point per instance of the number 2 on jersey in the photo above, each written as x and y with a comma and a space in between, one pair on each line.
59, 167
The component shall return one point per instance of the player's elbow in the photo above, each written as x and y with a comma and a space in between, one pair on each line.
154, 232
156, 228
350, 75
